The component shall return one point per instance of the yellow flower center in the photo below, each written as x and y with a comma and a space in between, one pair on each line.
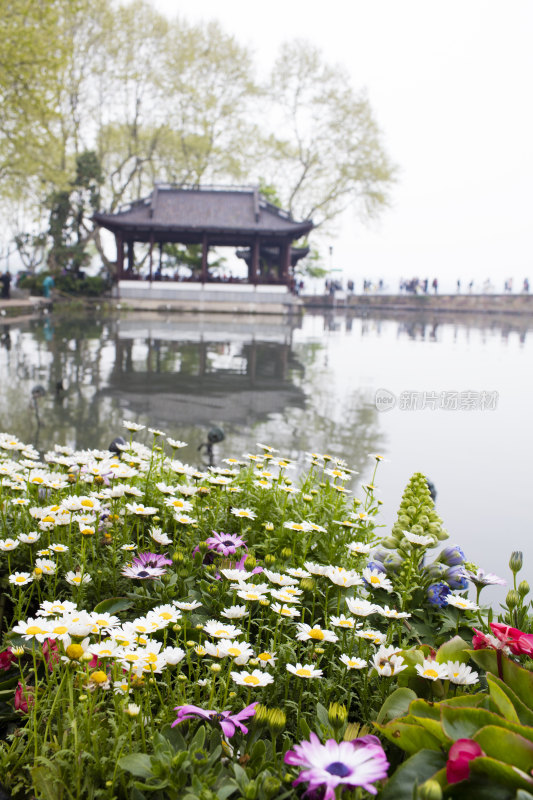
264, 656
99, 676
304, 673
34, 630
37, 571
88, 503
316, 633
165, 615
375, 579
345, 623
20, 579
234, 651
431, 673
87, 532
221, 632
48, 519
37, 480
60, 629
253, 680
74, 651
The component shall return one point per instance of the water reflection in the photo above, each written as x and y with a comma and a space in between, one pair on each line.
74, 380
298, 385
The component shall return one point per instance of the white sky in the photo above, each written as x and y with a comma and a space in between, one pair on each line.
451, 85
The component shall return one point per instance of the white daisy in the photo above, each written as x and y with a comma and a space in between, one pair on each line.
461, 602
316, 633
351, 662
432, 670
461, 674
376, 579
304, 670
252, 679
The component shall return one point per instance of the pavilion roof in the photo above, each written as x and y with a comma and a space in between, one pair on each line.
223, 211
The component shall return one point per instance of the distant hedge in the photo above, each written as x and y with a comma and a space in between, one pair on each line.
86, 286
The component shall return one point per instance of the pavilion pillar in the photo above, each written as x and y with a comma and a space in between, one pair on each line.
285, 261
131, 257
120, 255
151, 259
255, 260
205, 250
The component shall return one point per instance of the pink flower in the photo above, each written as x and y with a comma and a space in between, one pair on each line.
360, 762
516, 641
23, 698
228, 722
51, 653
6, 659
461, 754
520, 643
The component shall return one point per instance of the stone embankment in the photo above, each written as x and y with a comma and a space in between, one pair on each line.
460, 303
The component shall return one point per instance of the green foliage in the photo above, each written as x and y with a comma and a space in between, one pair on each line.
495, 720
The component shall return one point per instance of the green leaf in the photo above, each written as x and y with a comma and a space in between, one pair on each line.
45, 784
506, 746
463, 723
421, 708
501, 773
525, 715
408, 736
322, 715
501, 701
411, 773
519, 679
112, 605
455, 649
139, 764
304, 727
396, 705
226, 791
469, 700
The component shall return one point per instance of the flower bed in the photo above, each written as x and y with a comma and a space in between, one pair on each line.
241, 633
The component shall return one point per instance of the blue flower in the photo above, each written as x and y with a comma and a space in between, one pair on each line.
456, 578
437, 594
452, 556
376, 565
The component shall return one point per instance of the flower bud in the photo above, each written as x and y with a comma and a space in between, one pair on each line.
276, 720
516, 561
270, 560
178, 557
308, 584
430, 790
286, 553
512, 599
250, 791
337, 715
452, 556
271, 786
203, 547
523, 588
261, 714
250, 563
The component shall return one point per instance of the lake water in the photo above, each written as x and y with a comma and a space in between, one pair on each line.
449, 397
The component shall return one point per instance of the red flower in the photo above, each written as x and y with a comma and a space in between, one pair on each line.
6, 659
23, 698
519, 643
51, 653
461, 754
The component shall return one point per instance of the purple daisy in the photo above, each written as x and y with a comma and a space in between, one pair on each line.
142, 572
360, 762
151, 560
228, 722
147, 565
225, 543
